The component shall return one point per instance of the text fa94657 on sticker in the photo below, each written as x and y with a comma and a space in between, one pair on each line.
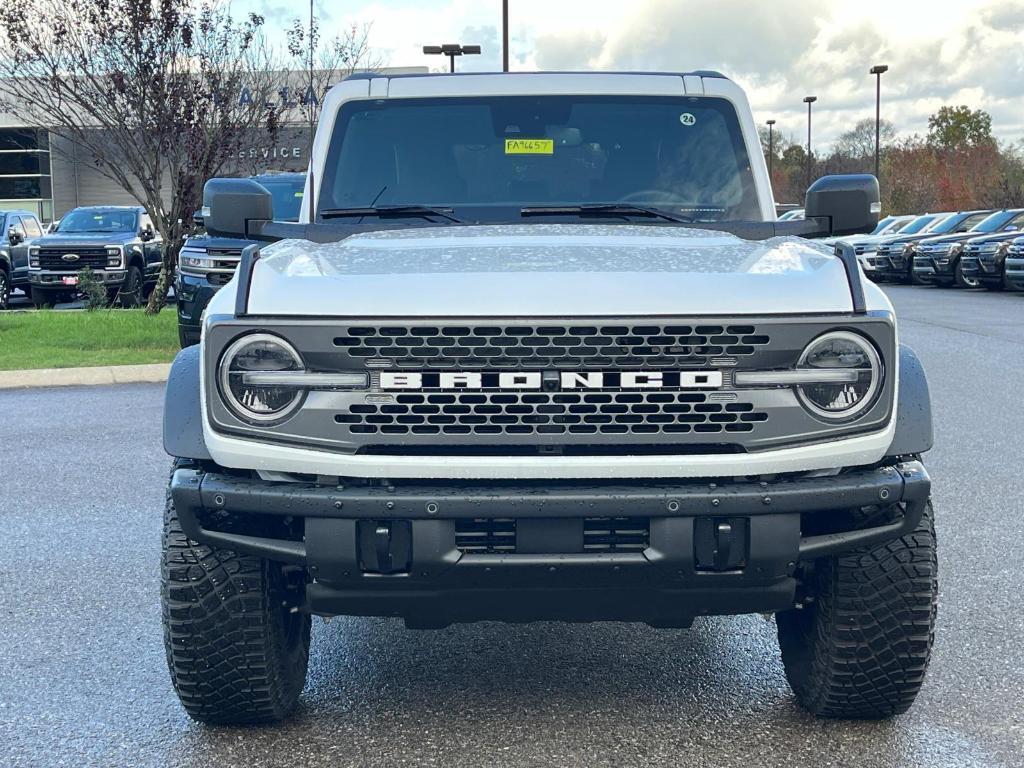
529, 146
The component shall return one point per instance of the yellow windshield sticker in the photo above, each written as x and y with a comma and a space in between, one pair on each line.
529, 146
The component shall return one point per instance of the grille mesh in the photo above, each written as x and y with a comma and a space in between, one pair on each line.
521, 346
616, 534
52, 258
493, 536
485, 536
513, 413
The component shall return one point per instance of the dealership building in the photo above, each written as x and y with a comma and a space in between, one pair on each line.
48, 175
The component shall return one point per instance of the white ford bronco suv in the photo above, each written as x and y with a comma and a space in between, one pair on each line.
538, 350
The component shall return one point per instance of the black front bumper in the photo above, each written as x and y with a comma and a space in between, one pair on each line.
193, 293
711, 548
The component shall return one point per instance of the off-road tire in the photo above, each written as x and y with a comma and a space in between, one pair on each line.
860, 649
237, 654
130, 293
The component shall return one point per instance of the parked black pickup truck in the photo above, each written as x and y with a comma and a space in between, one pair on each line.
118, 243
17, 230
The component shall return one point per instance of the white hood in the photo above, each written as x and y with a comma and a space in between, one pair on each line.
539, 270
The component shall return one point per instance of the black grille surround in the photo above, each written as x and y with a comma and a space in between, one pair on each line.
92, 257
559, 420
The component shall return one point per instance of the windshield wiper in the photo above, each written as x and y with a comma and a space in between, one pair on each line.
390, 210
606, 209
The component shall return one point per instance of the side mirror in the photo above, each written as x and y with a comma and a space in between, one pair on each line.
14, 237
233, 203
146, 234
850, 202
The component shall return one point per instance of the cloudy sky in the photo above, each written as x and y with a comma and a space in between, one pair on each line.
939, 52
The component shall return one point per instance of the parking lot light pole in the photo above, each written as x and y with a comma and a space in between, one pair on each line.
451, 50
808, 100
771, 151
877, 71
504, 35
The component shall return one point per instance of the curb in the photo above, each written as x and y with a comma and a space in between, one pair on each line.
77, 377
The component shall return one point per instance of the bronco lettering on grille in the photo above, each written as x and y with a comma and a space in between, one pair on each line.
555, 380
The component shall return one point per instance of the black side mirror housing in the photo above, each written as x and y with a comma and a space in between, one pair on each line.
850, 202
14, 237
233, 203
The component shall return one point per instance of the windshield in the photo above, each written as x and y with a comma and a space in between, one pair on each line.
93, 220
287, 195
885, 225
681, 154
919, 224
959, 222
1007, 220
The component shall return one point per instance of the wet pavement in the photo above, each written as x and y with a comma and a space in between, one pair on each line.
83, 680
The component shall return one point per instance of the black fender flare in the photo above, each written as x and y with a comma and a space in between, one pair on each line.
183, 411
914, 431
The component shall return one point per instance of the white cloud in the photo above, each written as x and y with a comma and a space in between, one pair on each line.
971, 51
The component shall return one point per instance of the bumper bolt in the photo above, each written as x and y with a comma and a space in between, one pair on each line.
766, 500
218, 500
673, 506
338, 505
390, 505
715, 502
883, 494
431, 508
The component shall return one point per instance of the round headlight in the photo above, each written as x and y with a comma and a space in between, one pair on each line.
849, 352
259, 353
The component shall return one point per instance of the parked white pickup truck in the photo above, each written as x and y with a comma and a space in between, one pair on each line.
538, 350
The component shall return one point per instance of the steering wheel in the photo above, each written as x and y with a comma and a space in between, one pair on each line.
650, 196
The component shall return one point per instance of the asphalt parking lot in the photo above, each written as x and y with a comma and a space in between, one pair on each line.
83, 679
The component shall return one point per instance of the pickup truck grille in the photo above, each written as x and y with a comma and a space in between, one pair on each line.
53, 258
514, 413
557, 346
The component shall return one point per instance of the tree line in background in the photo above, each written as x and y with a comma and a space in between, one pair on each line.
958, 165
161, 94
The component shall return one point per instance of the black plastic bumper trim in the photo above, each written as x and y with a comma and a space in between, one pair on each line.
194, 491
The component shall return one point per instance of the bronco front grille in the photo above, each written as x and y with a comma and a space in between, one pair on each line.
518, 346
563, 413
53, 258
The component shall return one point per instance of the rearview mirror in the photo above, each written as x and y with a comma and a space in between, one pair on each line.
233, 203
850, 202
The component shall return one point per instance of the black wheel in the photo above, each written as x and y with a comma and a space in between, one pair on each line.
860, 648
962, 280
912, 277
5, 288
130, 294
236, 651
42, 299
186, 338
